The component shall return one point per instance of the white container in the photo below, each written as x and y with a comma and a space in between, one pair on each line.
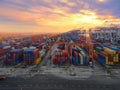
6, 47
80, 49
81, 59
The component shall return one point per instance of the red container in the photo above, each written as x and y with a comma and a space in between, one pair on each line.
95, 56
64, 53
75, 53
56, 60
104, 53
36, 51
63, 59
2, 51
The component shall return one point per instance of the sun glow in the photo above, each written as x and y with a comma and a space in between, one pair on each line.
101, 0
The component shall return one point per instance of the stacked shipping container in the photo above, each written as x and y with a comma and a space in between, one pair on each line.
79, 57
31, 56
106, 54
13, 57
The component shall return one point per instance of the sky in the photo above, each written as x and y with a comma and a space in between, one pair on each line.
48, 16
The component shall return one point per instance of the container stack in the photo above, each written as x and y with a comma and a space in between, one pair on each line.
7, 49
79, 57
31, 56
13, 57
75, 57
2, 52
106, 35
108, 55
60, 57
115, 52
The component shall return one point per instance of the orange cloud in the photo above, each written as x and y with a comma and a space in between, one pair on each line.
57, 18
87, 20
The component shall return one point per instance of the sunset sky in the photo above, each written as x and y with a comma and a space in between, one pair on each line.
56, 15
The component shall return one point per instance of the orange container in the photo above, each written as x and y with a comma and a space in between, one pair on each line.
36, 51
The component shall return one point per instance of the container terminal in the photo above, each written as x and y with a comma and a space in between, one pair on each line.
78, 55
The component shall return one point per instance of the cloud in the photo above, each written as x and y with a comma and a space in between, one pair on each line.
68, 2
61, 15
102, 1
87, 12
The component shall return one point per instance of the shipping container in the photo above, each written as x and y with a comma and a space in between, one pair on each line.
31, 56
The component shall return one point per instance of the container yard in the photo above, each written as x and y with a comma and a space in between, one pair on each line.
84, 56
77, 54
60, 45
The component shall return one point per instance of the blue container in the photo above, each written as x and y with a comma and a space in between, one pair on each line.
75, 60
85, 60
18, 58
16, 51
105, 44
34, 44
29, 56
118, 41
61, 62
101, 59
68, 39
7, 63
114, 48
29, 51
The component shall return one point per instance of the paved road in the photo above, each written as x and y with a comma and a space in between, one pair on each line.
45, 59
43, 62
49, 82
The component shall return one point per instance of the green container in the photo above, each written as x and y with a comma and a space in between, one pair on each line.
98, 48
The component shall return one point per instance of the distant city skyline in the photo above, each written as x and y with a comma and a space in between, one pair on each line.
47, 16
